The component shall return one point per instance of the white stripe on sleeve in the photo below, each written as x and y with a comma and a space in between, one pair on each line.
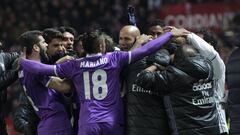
129, 57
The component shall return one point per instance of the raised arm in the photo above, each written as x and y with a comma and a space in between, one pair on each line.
155, 44
209, 52
150, 47
154, 81
37, 67
60, 85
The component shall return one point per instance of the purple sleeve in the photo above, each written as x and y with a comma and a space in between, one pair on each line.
122, 58
36, 67
65, 70
44, 80
150, 47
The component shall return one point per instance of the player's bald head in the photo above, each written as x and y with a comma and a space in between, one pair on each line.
133, 30
128, 36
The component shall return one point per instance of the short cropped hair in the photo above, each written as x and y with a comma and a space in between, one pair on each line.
50, 33
110, 44
91, 41
68, 29
156, 22
208, 37
77, 39
28, 39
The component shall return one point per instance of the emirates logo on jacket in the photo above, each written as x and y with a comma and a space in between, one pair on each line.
205, 94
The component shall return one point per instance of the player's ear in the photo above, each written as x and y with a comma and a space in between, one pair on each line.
103, 48
36, 48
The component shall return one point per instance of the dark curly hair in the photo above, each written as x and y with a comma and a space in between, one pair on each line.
28, 39
208, 37
50, 33
156, 22
68, 29
91, 41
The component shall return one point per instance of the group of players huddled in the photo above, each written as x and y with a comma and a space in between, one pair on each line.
169, 81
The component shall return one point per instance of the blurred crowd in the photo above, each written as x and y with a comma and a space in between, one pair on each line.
17, 16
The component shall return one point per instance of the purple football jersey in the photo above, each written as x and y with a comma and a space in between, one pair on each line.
46, 102
104, 128
96, 79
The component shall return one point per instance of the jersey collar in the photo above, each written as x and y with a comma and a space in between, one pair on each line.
94, 54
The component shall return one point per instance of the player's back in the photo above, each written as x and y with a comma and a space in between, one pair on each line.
46, 102
97, 82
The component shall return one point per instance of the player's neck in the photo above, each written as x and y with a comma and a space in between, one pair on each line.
93, 54
34, 57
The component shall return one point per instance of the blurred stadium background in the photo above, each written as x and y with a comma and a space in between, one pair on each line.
17, 16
